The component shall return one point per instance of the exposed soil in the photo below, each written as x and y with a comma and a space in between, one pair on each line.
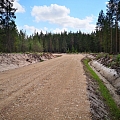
51, 90
108, 72
111, 79
12, 60
98, 108
110, 61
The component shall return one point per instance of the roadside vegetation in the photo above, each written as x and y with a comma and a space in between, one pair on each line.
113, 108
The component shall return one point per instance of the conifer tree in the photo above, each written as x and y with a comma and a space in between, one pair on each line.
7, 23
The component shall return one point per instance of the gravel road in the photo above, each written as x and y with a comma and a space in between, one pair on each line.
50, 90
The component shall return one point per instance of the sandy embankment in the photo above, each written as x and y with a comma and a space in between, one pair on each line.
13, 60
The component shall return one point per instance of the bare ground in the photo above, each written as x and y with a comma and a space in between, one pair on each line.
10, 61
51, 90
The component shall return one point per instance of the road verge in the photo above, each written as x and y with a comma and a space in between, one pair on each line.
102, 104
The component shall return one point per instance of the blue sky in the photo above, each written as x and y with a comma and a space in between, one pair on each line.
58, 15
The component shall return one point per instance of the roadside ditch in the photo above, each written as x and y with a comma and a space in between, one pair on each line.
99, 109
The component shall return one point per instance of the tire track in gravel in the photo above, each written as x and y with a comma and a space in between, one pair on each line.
51, 90
23, 82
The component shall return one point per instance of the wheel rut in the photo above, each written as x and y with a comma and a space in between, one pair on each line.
51, 90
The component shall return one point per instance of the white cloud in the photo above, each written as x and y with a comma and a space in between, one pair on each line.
59, 15
106, 3
31, 29
49, 12
20, 8
58, 30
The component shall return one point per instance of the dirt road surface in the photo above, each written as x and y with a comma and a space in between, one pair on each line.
50, 90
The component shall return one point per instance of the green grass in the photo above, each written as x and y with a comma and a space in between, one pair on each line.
114, 110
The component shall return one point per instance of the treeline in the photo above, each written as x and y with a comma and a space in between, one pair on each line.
39, 42
12, 40
108, 28
106, 37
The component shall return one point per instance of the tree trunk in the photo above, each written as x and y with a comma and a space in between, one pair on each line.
111, 49
116, 37
119, 42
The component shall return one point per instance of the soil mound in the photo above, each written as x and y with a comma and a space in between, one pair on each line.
14, 60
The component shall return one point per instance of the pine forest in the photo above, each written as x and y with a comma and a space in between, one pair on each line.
105, 38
